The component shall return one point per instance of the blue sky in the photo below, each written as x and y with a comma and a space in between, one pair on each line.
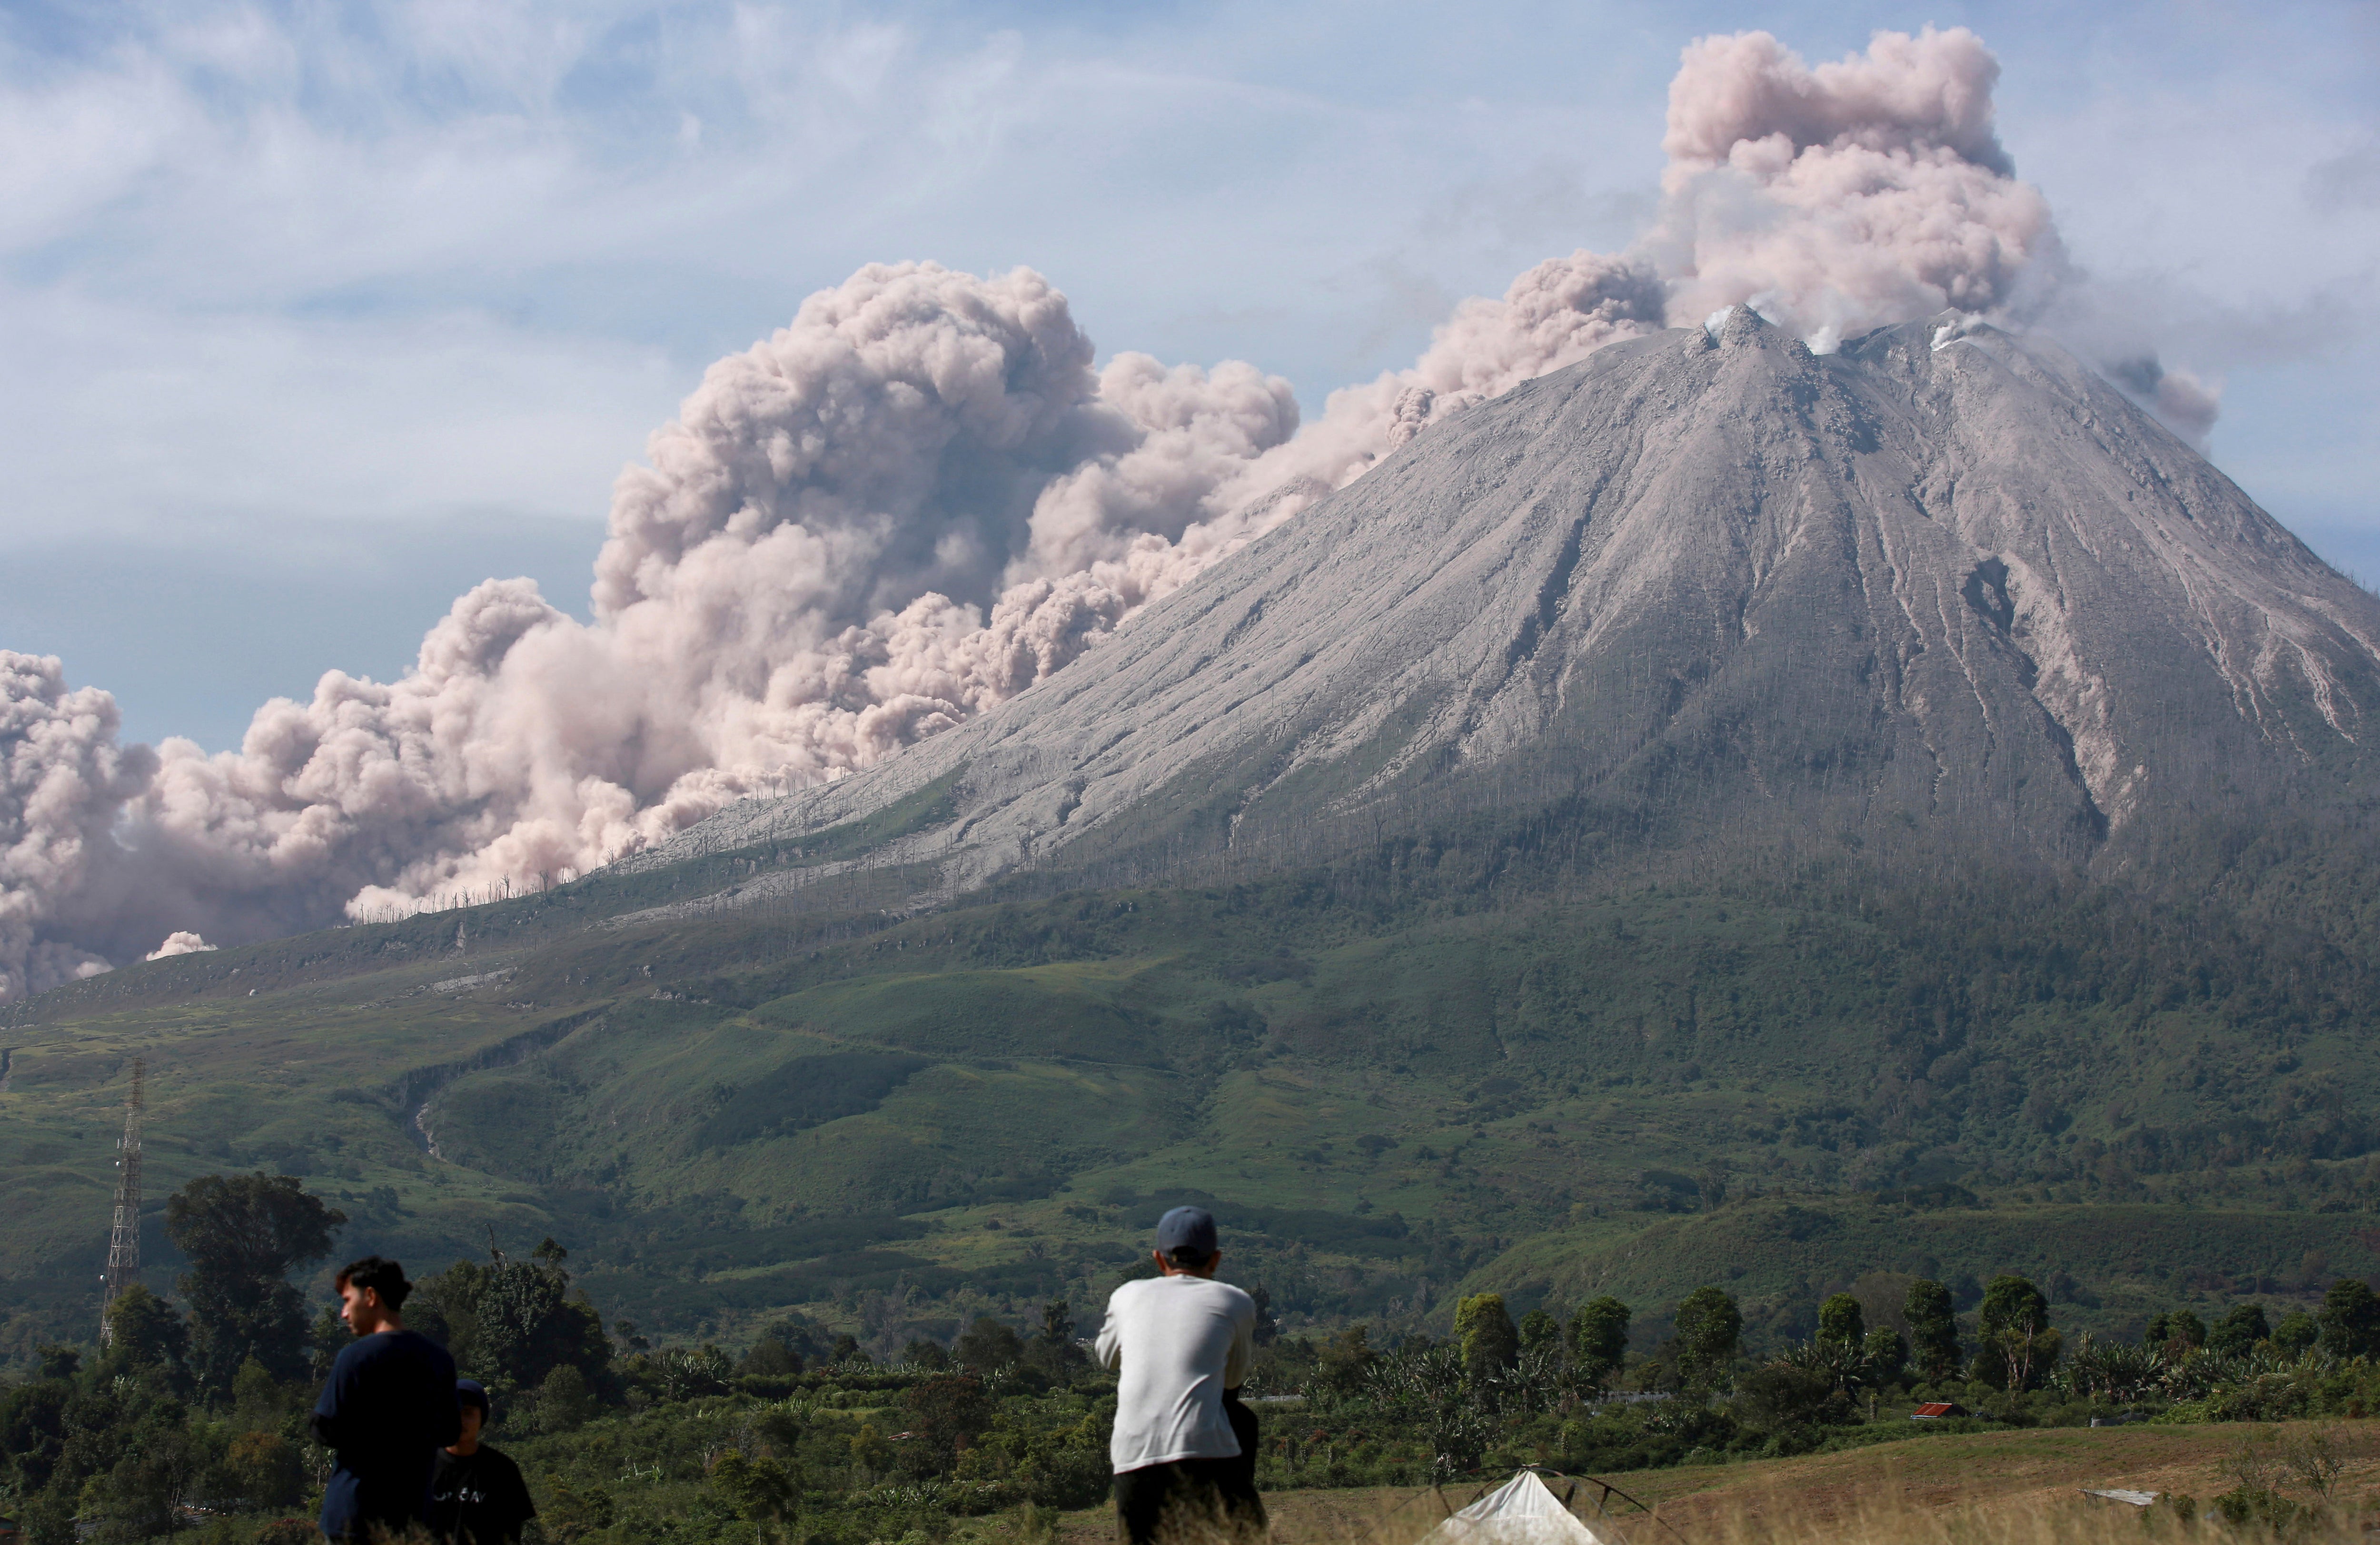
311, 315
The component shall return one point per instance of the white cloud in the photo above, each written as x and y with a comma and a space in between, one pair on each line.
361, 265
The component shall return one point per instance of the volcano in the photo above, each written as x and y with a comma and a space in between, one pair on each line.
1946, 578
1703, 601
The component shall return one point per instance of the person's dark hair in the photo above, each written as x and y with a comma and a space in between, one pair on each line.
470, 1392
381, 1275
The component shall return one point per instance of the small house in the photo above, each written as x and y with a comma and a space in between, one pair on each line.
1935, 1411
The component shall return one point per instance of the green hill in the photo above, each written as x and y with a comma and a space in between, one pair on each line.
1394, 1079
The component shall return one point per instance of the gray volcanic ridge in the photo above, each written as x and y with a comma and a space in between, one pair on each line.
1943, 579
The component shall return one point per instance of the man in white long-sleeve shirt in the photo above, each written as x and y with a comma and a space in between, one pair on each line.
1183, 1343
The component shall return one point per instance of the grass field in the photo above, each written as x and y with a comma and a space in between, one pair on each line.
2009, 1487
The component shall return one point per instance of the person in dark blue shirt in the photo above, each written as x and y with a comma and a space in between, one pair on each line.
387, 1410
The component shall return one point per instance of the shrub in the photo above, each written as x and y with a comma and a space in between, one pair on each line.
266, 1469
1778, 1396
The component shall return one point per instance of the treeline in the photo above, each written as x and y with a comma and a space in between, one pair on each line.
1569, 1392
189, 1420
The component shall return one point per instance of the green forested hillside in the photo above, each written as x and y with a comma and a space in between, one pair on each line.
1437, 1067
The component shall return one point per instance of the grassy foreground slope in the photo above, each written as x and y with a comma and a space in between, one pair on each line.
1390, 1091
2017, 1486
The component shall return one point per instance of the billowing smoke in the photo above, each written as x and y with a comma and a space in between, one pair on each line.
63, 782
1841, 198
918, 499
2178, 397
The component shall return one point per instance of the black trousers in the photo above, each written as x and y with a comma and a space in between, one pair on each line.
1188, 1496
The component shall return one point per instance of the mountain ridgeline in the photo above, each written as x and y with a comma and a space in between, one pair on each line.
1702, 584
1712, 811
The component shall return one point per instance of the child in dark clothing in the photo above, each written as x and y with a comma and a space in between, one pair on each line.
387, 1409
476, 1496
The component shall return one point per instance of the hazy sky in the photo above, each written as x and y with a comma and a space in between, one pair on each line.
315, 314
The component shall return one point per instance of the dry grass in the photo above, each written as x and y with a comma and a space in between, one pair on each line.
1989, 1488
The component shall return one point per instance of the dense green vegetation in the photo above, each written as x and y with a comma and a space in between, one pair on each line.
1442, 1066
806, 1436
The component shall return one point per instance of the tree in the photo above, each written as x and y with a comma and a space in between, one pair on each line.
797, 1333
1779, 1395
986, 1345
1884, 1354
1347, 1358
1487, 1335
946, 1413
258, 1400
1053, 1353
565, 1400
1709, 1325
2349, 1320
1268, 1329
2177, 1329
1841, 1320
265, 1470
922, 1353
2242, 1327
2016, 1345
870, 1450
770, 1358
1933, 1328
136, 1499
145, 1334
1538, 1329
243, 1236
758, 1488
2296, 1332
509, 1323
1598, 1339
327, 1337
33, 1429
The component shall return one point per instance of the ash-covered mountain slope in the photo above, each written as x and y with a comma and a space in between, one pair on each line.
1942, 577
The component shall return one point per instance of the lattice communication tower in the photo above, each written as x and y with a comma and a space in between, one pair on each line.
124, 1238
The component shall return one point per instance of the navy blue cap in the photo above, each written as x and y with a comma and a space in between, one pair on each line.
1190, 1229
470, 1392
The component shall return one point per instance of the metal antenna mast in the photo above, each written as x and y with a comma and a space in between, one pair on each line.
123, 1239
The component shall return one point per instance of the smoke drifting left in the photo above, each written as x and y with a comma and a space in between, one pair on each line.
920, 497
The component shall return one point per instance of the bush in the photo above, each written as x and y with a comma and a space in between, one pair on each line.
988, 1344
1777, 1397
946, 1412
565, 1400
1064, 1477
2263, 1507
266, 1470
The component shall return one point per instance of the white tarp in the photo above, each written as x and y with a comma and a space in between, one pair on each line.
1520, 1512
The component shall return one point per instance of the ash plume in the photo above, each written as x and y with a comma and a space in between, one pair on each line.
63, 782
920, 497
1843, 196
